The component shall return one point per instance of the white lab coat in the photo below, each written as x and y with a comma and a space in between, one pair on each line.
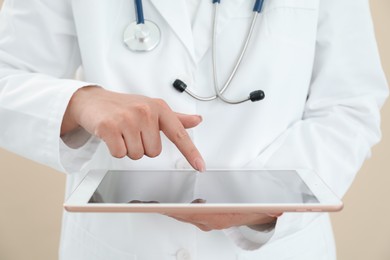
317, 62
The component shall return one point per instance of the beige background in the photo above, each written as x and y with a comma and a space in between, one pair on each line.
30, 214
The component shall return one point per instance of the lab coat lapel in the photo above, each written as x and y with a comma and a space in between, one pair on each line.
203, 25
178, 19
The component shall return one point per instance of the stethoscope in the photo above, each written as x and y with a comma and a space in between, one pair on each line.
143, 36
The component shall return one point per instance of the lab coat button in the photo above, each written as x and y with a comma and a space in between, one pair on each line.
182, 164
183, 254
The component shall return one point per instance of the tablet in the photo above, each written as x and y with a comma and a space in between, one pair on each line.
214, 191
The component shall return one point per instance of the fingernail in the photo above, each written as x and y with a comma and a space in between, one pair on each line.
201, 118
200, 165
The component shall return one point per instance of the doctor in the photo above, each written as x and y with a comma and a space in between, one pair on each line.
315, 60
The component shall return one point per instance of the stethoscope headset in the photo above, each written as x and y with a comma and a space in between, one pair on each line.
143, 36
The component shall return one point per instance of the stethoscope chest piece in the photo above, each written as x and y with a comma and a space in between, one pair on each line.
142, 37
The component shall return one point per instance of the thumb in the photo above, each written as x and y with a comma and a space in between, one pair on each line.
189, 121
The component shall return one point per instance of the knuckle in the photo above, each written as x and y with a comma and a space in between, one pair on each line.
104, 127
162, 103
124, 116
144, 110
181, 134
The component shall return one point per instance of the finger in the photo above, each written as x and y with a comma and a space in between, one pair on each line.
212, 221
275, 215
189, 121
239, 219
114, 142
174, 130
180, 219
223, 221
151, 143
255, 219
203, 227
198, 225
195, 219
151, 139
133, 141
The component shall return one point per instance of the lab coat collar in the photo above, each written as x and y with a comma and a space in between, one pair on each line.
178, 19
197, 40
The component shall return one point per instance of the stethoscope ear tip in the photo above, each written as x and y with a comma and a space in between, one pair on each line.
179, 85
256, 95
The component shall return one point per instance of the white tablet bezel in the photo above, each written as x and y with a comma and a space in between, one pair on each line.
78, 200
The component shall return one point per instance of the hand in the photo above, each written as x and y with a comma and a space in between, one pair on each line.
130, 124
208, 222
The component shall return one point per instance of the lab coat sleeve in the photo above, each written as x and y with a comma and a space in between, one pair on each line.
341, 121
39, 55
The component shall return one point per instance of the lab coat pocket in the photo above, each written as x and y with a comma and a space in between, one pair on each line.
310, 242
262, 158
295, 20
292, 21
245, 9
303, 4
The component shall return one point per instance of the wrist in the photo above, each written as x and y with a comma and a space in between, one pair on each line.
71, 116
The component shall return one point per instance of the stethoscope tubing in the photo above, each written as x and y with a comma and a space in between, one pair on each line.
139, 12
141, 35
136, 42
258, 6
219, 92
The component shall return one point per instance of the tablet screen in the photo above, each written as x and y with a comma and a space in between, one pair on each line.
260, 187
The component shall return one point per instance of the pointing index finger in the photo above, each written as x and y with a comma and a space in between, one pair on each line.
177, 134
